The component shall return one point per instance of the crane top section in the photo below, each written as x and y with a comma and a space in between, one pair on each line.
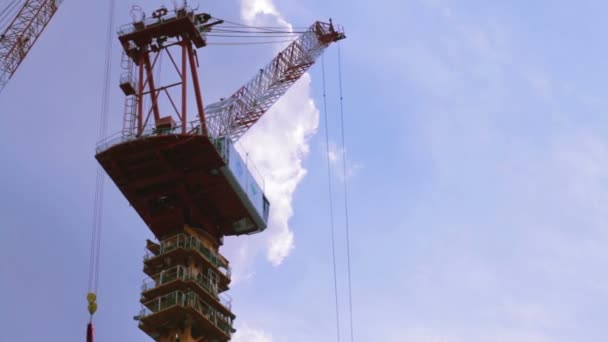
154, 32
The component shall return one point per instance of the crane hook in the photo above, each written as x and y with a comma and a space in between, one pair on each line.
92, 299
92, 307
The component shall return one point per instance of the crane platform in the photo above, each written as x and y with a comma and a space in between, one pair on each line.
183, 307
176, 179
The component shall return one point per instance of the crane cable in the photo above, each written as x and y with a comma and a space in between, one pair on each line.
237, 30
8, 14
331, 205
100, 179
254, 43
268, 29
350, 296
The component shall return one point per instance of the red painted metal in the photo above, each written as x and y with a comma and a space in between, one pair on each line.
184, 75
152, 85
22, 33
140, 103
90, 333
145, 42
197, 91
165, 176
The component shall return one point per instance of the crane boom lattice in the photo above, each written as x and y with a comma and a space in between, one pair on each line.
21, 34
233, 116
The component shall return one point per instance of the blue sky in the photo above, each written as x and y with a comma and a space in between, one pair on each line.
476, 151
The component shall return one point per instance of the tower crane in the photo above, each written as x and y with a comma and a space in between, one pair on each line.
22, 32
183, 176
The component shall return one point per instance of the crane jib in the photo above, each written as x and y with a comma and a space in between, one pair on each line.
234, 115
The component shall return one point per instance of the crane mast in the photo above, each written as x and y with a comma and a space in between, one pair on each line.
21, 34
233, 116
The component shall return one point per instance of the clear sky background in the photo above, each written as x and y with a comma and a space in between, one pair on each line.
477, 146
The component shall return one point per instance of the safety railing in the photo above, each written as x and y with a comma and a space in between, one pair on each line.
226, 300
222, 144
190, 242
183, 274
149, 131
161, 16
205, 282
164, 277
140, 25
188, 300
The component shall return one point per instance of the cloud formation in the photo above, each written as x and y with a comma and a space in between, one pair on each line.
277, 145
336, 156
248, 334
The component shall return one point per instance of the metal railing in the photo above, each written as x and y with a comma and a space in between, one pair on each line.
148, 131
165, 277
143, 22
183, 274
192, 128
190, 242
140, 25
188, 300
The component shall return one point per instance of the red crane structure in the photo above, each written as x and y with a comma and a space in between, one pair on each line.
17, 39
183, 175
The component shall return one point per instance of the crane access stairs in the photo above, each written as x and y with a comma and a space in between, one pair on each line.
172, 179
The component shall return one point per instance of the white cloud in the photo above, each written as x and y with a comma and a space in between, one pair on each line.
334, 153
336, 156
277, 145
248, 334
256, 11
514, 190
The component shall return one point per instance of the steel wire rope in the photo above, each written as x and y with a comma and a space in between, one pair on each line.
7, 8
331, 206
261, 28
350, 297
253, 43
100, 177
218, 30
250, 36
8, 14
